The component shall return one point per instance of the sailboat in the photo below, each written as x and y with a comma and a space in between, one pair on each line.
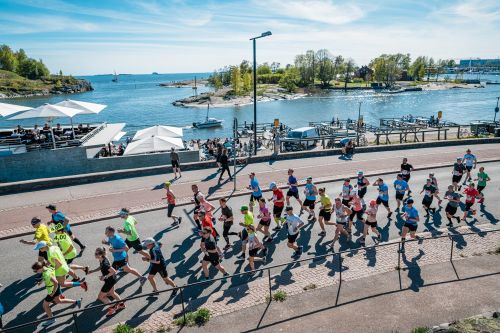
209, 122
115, 78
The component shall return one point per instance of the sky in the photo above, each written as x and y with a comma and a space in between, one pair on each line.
184, 36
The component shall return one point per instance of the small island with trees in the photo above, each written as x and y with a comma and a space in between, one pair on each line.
21, 76
318, 71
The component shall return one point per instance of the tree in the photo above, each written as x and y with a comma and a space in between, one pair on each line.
264, 69
388, 67
247, 82
8, 60
349, 67
365, 73
245, 67
236, 80
290, 79
21, 55
417, 68
325, 67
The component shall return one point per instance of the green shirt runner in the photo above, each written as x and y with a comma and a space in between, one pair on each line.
481, 178
47, 275
129, 227
54, 252
64, 242
248, 218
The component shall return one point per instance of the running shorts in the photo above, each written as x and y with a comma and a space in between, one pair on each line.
170, 209
278, 210
309, 203
450, 209
412, 227
213, 258
292, 238
119, 264
383, 202
108, 284
136, 244
158, 268
325, 214
294, 194
50, 299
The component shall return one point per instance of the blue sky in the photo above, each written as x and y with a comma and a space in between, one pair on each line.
91, 37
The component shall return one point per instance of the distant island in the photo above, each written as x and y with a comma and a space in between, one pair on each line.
21, 76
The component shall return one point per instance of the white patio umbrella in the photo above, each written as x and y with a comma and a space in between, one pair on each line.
9, 109
153, 144
85, 107
48, 112
159, 130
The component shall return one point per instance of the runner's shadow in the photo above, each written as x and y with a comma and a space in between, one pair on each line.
487, 215
384, 232
159, 235
458, 238
285, 277
473, 228
158, 187
371, 256
305, 237
414, 271
210, 177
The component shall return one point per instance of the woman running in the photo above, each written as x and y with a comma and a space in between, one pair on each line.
170, 197
371, 222
482, 179
265, 221
325, 210
109, 278
342, 213
254, 245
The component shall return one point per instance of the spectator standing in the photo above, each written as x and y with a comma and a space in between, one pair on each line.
174, 158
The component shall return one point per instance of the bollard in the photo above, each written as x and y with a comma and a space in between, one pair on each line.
270, 287
182, 302
451, 251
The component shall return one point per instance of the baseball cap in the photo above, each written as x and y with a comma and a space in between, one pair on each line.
459, 158
123, 211
148, 241
309, 178
244, 207
373, 202
272, 185
39, 245
360, 172
409, 201
35, 221
51, 207
288, 208
167, 183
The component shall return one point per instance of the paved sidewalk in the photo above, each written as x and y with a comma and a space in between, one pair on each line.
96, 201
359, 268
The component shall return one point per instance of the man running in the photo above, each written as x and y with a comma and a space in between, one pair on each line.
174, 158
406, 169
429, 191
227, 218
255, 188
325, 210
254, 245
411, 223
170, 197
41, 235
383, 195
470, 198
196, 200
294, 224
362, 184
278, 200
470, 162
452, 206
342, 213
119, 251
356, 206
265, 221
371, 222
401, 187
63, 240
209, 248
458, 171
346, 192
434, 182
224, 162
293, 189
58, 217
247, 220
482, 179
157, 264
130, 231
311, 192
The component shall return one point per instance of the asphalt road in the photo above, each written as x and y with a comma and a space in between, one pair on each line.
22, 299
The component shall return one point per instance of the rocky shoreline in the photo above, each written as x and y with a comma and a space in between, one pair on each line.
78, 87
205, 99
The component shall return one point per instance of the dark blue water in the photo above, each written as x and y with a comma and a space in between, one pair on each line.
138, 101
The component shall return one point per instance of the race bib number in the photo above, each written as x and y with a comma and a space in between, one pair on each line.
405, 172
428, 193
456, 173
470, 198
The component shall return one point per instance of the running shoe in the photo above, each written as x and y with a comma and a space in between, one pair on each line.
227, 247
120, 306
79, 303
180, 220
86, 270
241, 256
48, 322
449, 224
84, 286
269, 239
322, 234
174, 292
111, 311
143, 280
175, 223
389, 215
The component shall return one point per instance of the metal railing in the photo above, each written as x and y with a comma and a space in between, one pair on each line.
338, 256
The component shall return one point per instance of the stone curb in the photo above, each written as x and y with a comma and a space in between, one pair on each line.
150, 207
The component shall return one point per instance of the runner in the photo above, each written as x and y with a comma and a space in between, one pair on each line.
41, 235
311, 192
254, 245
346, 192
63, 240
383, 195
247, 220
207, 208
278, 205
224, 162
434, 182
119, 251
227, 218
53, 291
411, 223
58, 218
265, 221
294, 224
470, 198
196, 201
371, 222
482, 179
406, 169
132, 237
56, 260
256, 192
109, 278
209, 248
470, 162
206, 222
429, 191
170, 196
458, 171
401, 186
342, 213
157, 264
174, 158
452, 206
357, 210
293, 189
362, 184
325, 210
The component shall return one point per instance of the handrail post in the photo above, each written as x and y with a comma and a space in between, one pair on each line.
451, 250
75, 323
183, 308
340, 278
399, 265
270, 287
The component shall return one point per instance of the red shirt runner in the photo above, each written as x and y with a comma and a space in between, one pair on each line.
278, 195
471, 193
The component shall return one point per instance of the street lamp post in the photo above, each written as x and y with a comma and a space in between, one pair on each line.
496, 111
264, 34
358, 124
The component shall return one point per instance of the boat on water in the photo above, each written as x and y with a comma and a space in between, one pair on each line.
115, 78
209, 122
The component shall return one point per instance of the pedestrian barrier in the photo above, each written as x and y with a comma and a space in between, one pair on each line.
338, 257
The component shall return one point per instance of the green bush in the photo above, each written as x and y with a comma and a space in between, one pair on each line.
123, 328
280, 295
420, 330
199, 318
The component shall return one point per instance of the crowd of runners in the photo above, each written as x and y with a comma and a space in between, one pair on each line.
54, 241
